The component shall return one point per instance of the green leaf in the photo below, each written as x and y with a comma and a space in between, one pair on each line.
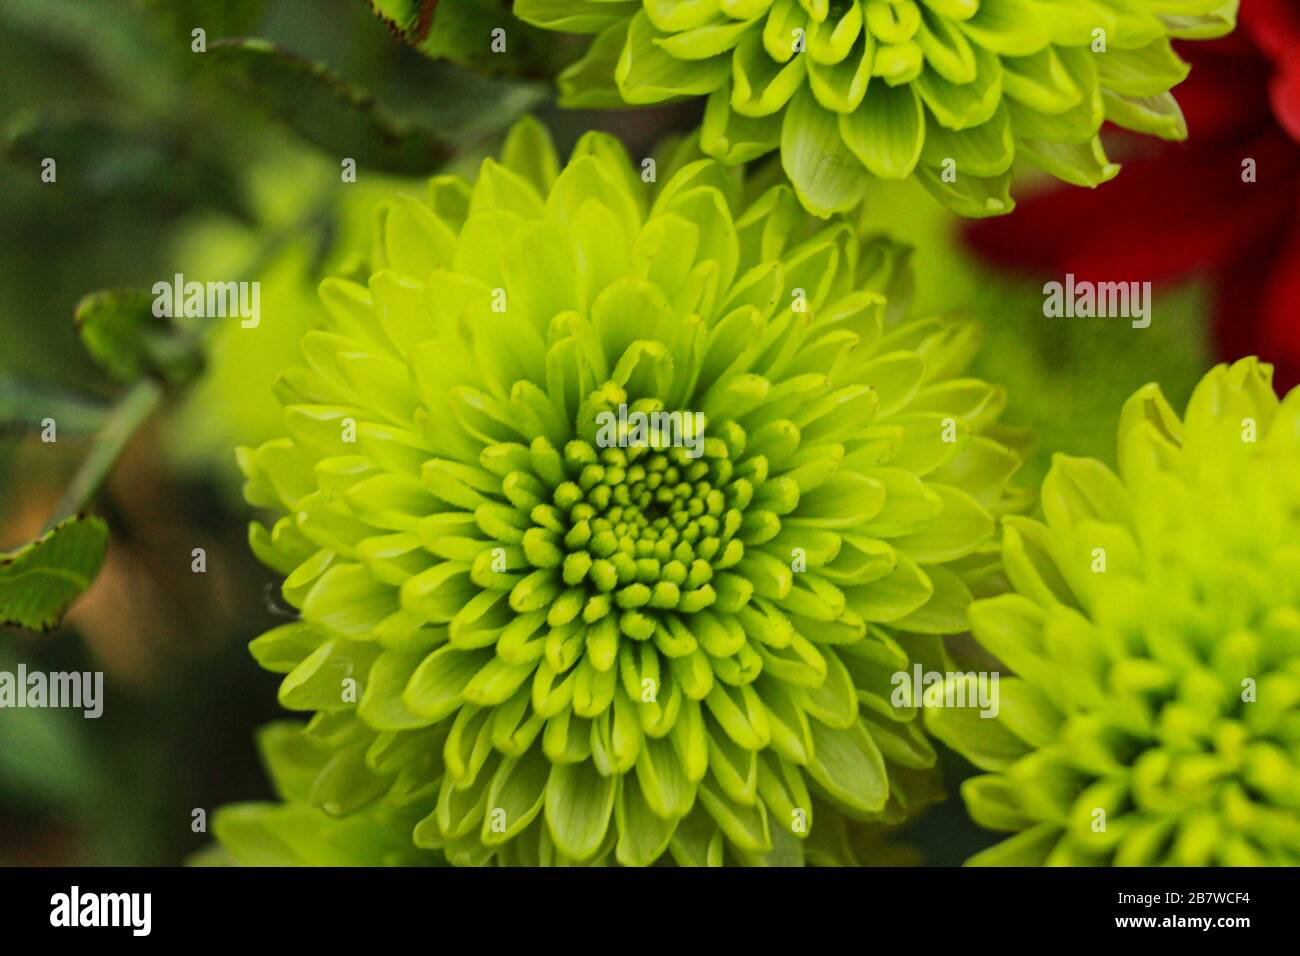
40, 580
411, 20
326, 110
121, 332
461, 105
462, 31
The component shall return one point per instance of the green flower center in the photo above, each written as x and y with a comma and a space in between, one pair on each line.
643, 529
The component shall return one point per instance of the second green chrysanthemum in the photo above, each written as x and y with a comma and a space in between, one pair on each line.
952, 91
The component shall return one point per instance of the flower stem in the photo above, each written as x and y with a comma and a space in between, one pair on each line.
125, 417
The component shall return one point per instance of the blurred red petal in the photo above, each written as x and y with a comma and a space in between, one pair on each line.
1275, 26
1285, 92
1226, 95
1160, 219
1279, 337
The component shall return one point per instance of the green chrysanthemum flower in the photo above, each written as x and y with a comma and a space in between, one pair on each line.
949, 90
571, 643
1155, 717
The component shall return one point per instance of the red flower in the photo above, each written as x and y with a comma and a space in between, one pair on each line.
1194, 208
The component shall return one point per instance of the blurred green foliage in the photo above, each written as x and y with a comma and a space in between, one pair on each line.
1064, 377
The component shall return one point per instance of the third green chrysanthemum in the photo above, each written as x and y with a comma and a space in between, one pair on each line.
1155, 635
952, 91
